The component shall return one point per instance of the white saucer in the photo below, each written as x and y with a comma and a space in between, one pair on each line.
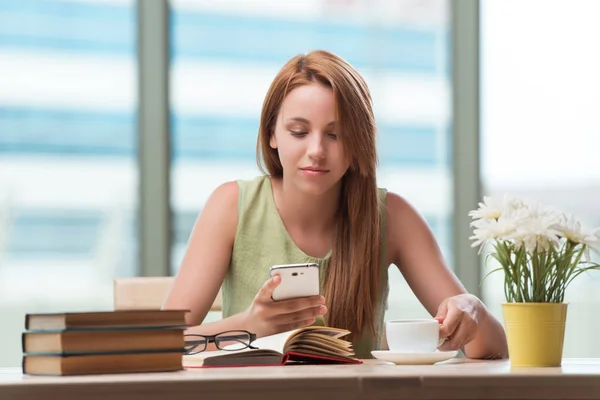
414, 358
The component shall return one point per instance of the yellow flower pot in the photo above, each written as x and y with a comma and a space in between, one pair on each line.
535, 333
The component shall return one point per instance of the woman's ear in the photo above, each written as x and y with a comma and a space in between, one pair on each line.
273, 141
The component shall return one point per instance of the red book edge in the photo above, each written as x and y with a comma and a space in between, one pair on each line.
313, 359
308, 359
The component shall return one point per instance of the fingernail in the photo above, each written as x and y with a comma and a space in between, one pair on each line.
322, 310
321, 300
276, 278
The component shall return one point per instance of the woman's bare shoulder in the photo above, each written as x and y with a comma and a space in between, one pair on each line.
404, 225
226, 192
221, 208
397, 205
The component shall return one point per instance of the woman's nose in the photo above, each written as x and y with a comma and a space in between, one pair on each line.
316, 148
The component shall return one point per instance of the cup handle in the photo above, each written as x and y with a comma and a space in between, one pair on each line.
441, 341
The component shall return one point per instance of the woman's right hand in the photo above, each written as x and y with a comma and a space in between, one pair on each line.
266, 316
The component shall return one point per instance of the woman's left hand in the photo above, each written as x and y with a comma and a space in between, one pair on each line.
460, 317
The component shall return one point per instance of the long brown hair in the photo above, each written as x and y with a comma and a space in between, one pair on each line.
351, 283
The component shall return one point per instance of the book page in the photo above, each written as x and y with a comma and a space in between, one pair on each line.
274, 342
314, 338
323, 351
345, 348
319, 339
323, 330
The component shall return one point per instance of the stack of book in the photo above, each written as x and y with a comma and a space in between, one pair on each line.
103, 342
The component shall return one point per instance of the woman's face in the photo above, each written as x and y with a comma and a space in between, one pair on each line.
307, 139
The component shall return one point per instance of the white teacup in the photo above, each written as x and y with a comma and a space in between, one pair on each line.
413, 335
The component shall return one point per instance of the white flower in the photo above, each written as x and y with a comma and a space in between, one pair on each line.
543, 243
571, 229
513, 205
492, 229
529, 225
487, 210
491, 209
593, 238
536, 234
535, 228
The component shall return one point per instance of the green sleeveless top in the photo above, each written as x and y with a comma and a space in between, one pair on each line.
262, 241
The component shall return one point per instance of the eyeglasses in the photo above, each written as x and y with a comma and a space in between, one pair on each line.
228, 341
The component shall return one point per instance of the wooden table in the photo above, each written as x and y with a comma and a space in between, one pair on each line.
455, 379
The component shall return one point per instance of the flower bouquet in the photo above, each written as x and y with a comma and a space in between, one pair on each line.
540, 250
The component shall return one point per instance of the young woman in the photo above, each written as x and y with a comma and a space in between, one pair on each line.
319, 202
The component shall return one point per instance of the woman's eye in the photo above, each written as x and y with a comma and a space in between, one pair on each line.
298, 134
333, 136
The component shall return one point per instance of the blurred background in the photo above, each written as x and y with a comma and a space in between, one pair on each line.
69, 170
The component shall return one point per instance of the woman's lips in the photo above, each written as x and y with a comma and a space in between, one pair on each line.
314, 171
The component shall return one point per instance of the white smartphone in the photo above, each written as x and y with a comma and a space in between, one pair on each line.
297, 280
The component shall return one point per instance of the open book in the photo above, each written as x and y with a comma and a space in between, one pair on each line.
309, 345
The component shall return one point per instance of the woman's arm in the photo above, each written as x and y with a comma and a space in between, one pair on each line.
205, 264
413, 248
206, 261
